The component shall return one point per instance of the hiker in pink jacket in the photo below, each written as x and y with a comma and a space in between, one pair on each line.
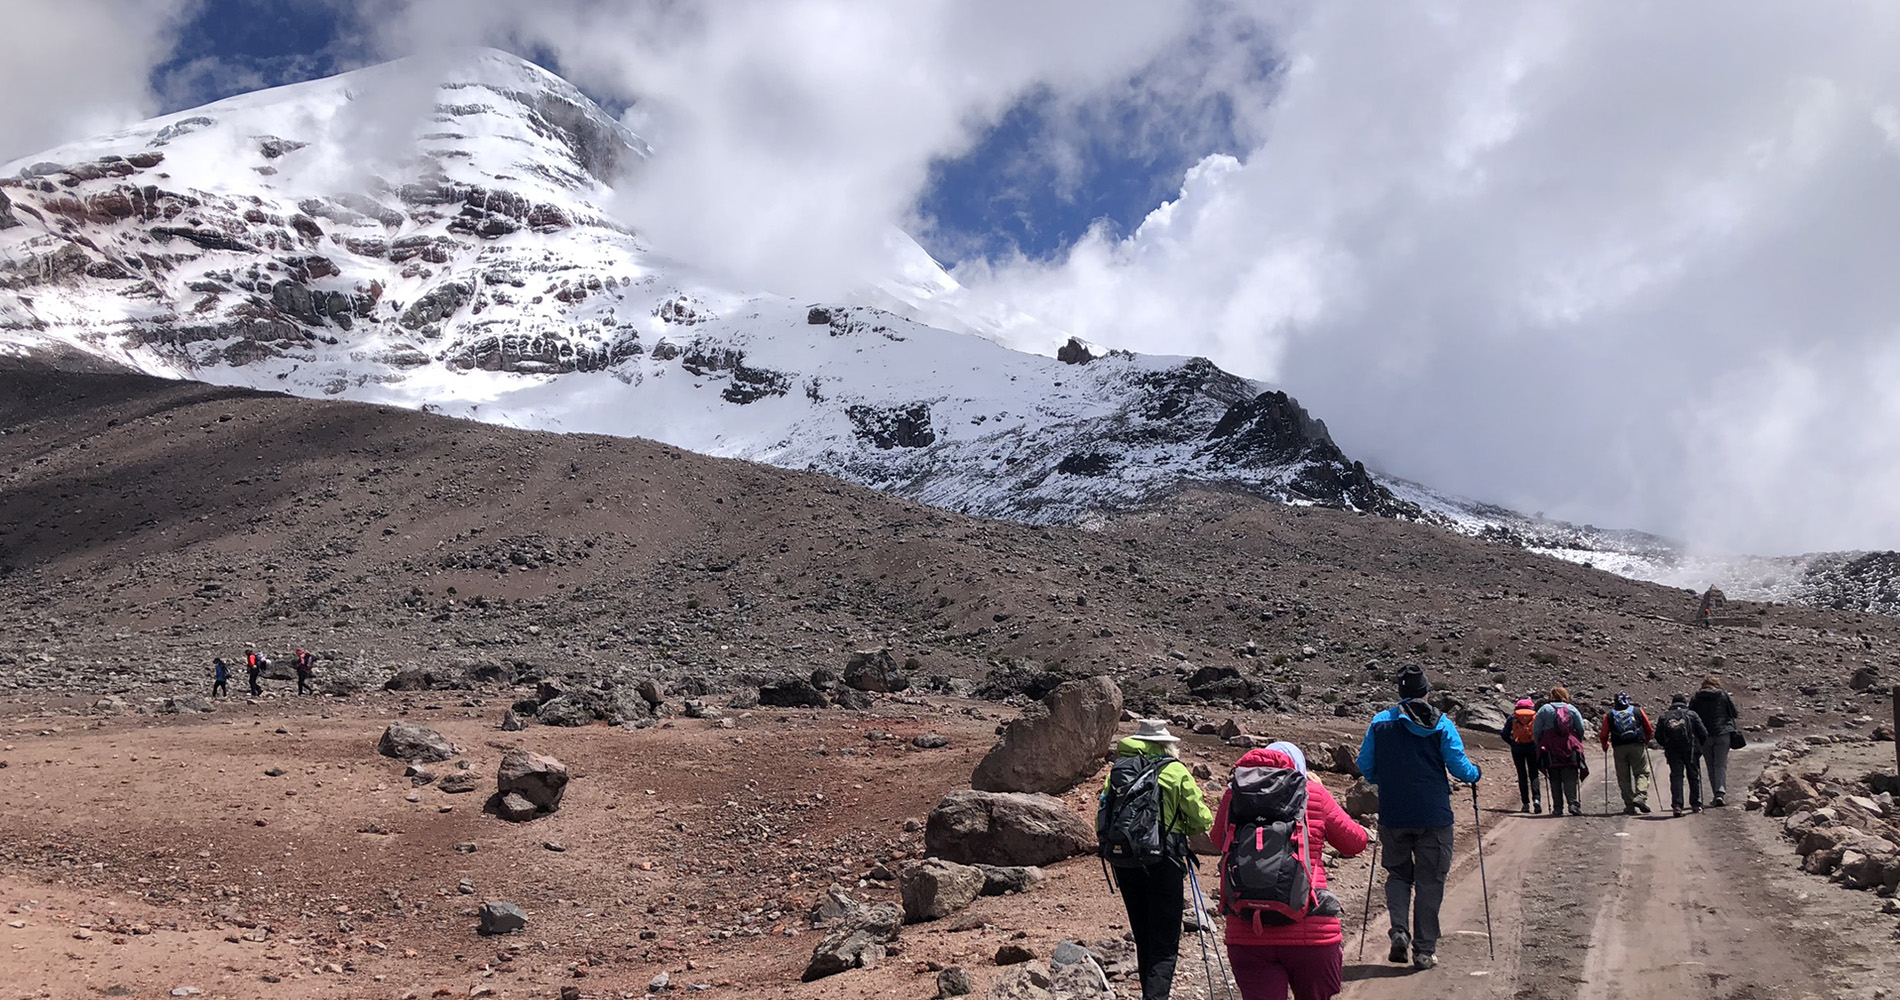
1306, 957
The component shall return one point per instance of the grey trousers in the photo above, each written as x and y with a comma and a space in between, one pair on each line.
1417, 863
1715, 756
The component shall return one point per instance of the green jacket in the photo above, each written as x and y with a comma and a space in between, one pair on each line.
1182, 803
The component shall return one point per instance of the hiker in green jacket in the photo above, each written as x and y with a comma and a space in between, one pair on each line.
1154, 889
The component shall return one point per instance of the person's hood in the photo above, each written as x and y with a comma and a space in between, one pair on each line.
1526, 703
1420, 715
1291, 750
1622, 700
1132, 747
1264, 757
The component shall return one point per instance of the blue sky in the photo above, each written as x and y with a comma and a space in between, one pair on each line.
1033, 183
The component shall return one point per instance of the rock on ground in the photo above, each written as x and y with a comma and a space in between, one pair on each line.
856, 942
1051, 751
408, 741
935, 888
501, 918
791, 692
1005, 828
874, 670
538, 779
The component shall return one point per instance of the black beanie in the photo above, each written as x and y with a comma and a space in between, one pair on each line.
1412, 683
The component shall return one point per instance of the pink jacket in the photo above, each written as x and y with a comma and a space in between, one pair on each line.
1326, 823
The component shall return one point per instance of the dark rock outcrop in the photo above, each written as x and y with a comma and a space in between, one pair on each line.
1050, 750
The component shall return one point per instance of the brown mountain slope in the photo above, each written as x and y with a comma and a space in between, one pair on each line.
146, 526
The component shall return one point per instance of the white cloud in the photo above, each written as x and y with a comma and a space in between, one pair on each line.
75, 68
1623, 264
794, 132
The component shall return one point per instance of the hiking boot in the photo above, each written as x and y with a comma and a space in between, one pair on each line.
1717, 802
1401, 946
1642, 807
1424, 960
1695, 809
1526, 807
1576, 810
1629, 810
1678, 811
1537, 807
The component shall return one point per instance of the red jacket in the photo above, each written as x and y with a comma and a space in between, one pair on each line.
1605, 732
1326, 823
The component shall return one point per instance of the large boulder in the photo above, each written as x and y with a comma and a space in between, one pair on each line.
1005, 828
874, 670
408, 741
1362, 800
1051, 751
856, 941
935, 888
792, 692
537, 778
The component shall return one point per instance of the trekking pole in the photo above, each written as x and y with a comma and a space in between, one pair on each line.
1365, 925
1205, 923
1484, 881
1606, 781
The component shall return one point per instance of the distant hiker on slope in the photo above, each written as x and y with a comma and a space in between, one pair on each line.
220, 678
1558, 732
1407, 752
254, 664
1150, 805
1718, 714
306, 665
1681, 735
1626, 732
1518, 735
1275, 944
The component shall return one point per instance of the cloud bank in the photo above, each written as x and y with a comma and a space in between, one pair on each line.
1622, 265
75, 68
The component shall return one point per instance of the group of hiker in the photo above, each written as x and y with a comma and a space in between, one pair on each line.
1283, 933
256, 664
1546, 737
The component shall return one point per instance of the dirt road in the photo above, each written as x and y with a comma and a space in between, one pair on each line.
1631, 908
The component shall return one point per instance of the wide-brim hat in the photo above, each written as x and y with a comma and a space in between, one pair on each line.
1155, 731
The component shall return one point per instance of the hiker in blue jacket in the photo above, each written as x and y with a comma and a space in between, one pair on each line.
1407, 752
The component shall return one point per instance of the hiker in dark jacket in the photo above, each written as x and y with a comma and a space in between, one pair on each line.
1681, 735
1518, 736
1626, 732
1718, 714
254, 668
1407, 752
220, 678
1155, 894
306, 665
1558, 731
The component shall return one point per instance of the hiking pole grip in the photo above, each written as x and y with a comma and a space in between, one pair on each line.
1484, 881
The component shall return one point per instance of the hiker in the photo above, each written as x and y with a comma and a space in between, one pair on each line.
1307, 955
1518, 736
1558, 733
220, 678
1150, 805
254, 664
306, 665
1408, 750
1625, 732
1681, 734
1718, 714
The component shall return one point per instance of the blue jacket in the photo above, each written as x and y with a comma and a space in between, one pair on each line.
1407, 752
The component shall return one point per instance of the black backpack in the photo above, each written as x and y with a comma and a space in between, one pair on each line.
1265, 876
1130, 830
1676, 730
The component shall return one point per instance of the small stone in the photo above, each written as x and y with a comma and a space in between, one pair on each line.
1013, 954
930, 741
555, 846
514, 807
659, 983
273, 772
501, 918
465, 887
955, 981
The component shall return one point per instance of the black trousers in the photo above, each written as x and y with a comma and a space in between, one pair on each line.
1524, 755
220, 687
303, 682
1154, 897
1681, 763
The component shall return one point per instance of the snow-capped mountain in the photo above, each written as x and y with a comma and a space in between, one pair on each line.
439, 236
